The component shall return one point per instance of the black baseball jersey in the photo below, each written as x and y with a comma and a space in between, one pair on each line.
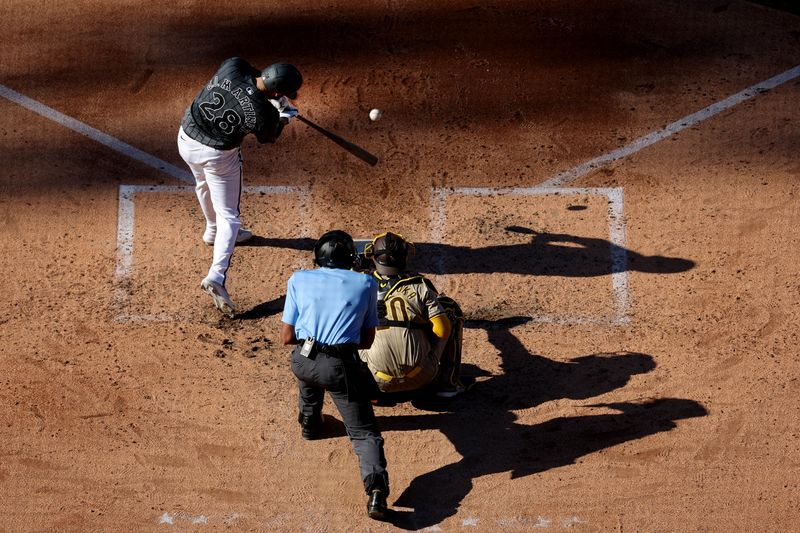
229, 107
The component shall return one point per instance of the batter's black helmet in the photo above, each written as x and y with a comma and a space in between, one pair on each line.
389, 251
335, 249
282, 78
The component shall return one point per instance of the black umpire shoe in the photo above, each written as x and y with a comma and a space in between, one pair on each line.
310, 426
376, 505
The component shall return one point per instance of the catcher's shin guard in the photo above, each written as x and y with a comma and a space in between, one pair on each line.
450, 364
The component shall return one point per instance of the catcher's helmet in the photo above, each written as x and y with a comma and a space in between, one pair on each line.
282, 78
335, 249
389, 251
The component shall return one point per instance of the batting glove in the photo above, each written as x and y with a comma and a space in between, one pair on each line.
279, 103
289, 112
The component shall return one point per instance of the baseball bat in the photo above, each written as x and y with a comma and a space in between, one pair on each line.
347, 145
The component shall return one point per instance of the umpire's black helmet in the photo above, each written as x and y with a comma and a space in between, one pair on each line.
335, 249
282, 78
389, 251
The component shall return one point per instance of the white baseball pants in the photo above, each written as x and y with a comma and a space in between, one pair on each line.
218, 177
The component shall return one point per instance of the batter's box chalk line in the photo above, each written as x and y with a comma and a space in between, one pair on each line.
616, 229
126, 221
616, 234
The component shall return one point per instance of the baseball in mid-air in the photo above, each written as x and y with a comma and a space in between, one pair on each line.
375, 114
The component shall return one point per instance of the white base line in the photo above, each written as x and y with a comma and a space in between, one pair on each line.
690, 120
619, 254
125, 235
95, 134
617, 240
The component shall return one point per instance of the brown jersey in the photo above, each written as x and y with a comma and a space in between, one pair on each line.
404, 355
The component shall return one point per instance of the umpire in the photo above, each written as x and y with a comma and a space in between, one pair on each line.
330, 313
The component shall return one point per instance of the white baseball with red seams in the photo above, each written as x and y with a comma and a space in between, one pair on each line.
375, 114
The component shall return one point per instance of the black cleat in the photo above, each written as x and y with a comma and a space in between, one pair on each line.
310, 426
376, 505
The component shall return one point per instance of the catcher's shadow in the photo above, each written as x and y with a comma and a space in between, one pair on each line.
503, 445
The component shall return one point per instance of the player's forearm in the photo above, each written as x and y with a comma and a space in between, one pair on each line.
287, 334
441, 326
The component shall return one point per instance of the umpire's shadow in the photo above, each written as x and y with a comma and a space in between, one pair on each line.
483, 428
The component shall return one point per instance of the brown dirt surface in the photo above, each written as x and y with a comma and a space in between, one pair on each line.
633, 340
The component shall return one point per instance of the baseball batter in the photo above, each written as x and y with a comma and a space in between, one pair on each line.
418, 341
238, 100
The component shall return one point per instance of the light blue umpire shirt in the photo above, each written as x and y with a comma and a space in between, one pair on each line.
331, 304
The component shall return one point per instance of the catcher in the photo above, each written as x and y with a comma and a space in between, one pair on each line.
418, 340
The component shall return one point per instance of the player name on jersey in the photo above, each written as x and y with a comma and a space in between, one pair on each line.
243, 99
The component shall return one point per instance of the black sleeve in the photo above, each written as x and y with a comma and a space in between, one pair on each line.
269, 133
270, 125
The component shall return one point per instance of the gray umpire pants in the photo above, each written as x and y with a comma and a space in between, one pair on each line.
346, 383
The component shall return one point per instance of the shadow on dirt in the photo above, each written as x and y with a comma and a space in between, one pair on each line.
503, 445
511, 41
263, 310
274, 306
546, 254
302, 243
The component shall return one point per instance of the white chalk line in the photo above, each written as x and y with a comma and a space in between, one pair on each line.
690, 120
616, 230
126, 219
619, 255
95, 134
170, 519
182, 518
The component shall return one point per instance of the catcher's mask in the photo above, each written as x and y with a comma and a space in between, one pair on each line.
335, 249
282, 78
389, 251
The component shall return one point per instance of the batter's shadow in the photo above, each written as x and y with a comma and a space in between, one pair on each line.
546, 254
263, 310
504, 445
274, 306
301, 243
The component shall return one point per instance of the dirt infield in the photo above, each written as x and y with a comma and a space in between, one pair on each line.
632, 330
